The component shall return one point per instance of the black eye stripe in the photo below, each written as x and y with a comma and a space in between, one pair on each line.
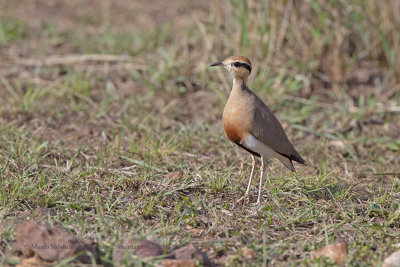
244, 65
247, 66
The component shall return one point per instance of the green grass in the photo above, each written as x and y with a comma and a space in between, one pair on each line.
137, 149
11, 29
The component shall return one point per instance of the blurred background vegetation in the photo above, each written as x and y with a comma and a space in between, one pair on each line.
128, 139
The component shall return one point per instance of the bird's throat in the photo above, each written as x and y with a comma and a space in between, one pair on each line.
238, 83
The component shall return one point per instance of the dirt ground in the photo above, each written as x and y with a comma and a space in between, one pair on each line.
132, 144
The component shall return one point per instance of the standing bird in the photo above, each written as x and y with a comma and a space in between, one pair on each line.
250, 124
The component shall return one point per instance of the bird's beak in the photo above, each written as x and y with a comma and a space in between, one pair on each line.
218, 63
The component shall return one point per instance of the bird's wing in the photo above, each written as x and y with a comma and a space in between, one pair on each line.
268, 130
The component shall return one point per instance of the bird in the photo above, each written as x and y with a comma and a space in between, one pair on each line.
250, 124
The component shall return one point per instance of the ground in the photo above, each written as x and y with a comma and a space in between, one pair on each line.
131, 145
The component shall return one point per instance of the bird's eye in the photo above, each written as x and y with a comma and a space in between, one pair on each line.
236, 64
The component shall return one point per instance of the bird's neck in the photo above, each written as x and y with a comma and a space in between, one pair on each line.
238, 85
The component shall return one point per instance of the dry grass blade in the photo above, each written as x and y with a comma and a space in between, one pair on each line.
110, 126
71, 60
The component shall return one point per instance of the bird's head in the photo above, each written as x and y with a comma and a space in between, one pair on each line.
239, 67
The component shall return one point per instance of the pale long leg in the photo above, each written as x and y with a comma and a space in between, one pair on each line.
253, 163
261, 179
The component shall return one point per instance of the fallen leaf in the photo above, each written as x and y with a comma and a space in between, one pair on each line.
139, 247
338, 144
190, 252
33, 262
336, 252
178, 263
51, 243
249, 253
393, 260
173, 175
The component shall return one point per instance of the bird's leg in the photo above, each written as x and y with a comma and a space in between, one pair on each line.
253, 164
261, 179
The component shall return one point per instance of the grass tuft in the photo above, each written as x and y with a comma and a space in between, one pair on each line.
135, 148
